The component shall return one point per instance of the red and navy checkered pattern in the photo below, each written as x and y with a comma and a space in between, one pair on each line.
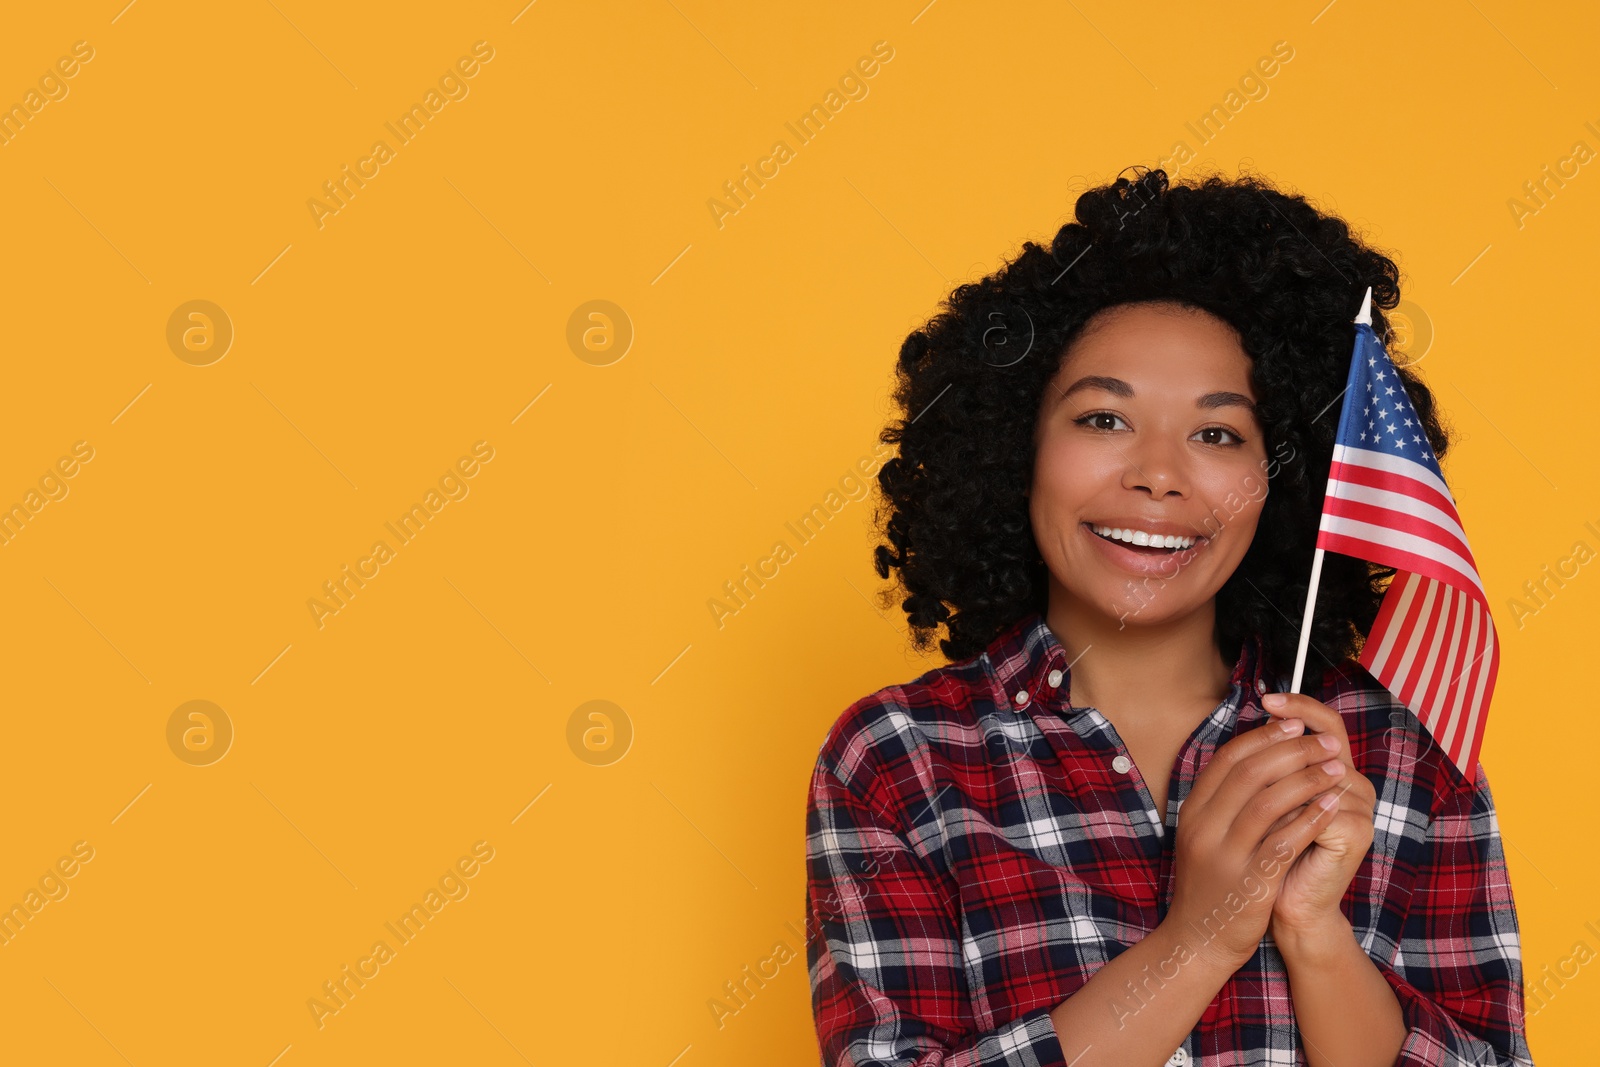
974, 857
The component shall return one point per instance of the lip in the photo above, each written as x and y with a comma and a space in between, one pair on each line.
1155, 526
1129, 559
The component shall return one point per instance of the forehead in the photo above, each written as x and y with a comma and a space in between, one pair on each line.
1159, 349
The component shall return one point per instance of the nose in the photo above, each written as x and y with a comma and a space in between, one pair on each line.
1157, 467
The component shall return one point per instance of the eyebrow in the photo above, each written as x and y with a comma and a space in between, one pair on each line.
1221, 398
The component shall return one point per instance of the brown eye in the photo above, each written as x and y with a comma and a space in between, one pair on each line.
1222, 430
1093, 420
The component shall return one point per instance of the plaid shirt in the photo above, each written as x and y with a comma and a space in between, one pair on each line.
976, 848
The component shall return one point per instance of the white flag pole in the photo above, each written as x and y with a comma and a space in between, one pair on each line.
1363, 316
1305, 622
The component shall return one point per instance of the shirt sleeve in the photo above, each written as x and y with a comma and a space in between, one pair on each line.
1457, 971
883, 949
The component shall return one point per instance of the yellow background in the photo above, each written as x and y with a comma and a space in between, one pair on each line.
432, 310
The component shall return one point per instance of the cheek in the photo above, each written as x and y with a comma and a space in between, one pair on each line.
1235, 496
1065, 476
1059, 487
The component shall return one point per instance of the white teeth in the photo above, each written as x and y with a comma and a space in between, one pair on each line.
1141, 537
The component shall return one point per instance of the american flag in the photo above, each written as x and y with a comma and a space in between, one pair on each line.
1433, 644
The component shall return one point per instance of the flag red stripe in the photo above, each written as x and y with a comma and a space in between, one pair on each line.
1389, 626
1477, 735
1374, 638
1482, 683
1413, 632
1381, 623
1445, 668
1425, 669
1377, 478
1398, 520
1389, 556
1449, 732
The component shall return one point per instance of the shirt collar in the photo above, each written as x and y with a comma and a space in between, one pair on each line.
1026, 655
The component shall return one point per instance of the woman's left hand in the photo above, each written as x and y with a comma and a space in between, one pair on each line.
1308, 898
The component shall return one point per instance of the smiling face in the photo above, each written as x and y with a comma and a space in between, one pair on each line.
1148, 426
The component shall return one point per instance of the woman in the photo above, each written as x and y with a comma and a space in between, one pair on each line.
1110, 474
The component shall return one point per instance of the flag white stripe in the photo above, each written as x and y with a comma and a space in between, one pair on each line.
1458, 636
1414, 639
1461, 685
1408, 588
1399, 502
1435, 633
1380, 537
1480, 694
1392, 464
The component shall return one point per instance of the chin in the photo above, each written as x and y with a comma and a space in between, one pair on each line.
1137, 616
1136, 602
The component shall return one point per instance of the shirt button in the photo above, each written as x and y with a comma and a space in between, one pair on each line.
1021, 698
1122, 763
1178, 1058
1054, 678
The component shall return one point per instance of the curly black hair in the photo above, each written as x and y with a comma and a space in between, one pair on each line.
953, 516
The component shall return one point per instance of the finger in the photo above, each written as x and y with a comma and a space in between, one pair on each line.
1343, 838
1345, 808
1357, 803
1260, 813
1318, 716
1287, 844
1248, 778
1231, 754
1286, 818
1353, 819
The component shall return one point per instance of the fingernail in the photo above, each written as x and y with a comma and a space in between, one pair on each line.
1290, 726
1274, 700
1327, 802
1328, 743
1334, 766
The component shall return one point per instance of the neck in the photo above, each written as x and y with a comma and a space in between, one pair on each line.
1163, 670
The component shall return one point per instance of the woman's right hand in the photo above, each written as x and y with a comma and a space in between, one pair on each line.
1230, 856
